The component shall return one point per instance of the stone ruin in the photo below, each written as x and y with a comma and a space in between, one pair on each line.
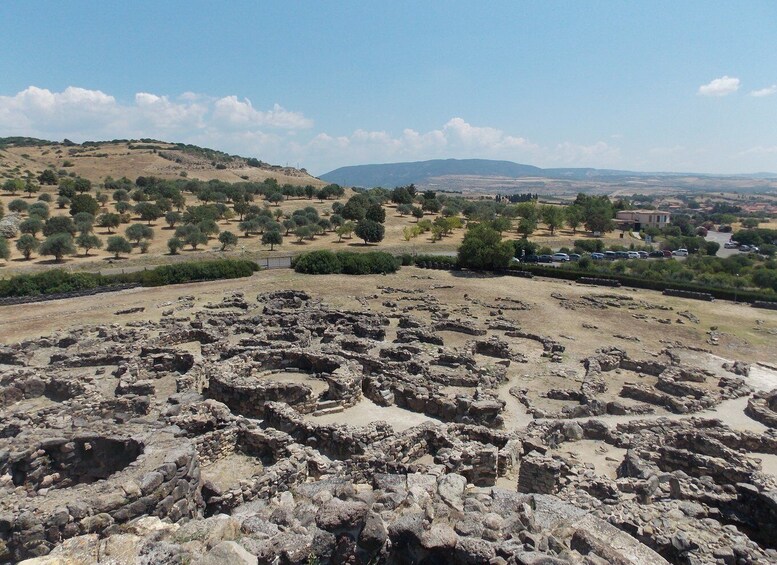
208, 437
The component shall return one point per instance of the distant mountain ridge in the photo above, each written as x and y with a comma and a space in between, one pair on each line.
419, 172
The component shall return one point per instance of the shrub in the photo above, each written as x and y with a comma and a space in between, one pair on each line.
49, 282
589, 245
483, 248
57, 280
194, 271
444, 260
345, 262
317, 263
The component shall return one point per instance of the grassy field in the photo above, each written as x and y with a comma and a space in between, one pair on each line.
95, 162
251, 247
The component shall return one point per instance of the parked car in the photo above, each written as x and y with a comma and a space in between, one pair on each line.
621, 254
667, 253
643, 254
561, 257
596, 256
610, 255
529, 259
633, 255
544, 259
680, 252
745, 248
574, 257
657, 254
730, 245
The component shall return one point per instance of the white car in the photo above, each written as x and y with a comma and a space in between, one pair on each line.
634, 255
680, 253
561, 257
731, 245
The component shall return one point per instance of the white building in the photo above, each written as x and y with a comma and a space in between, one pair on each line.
641, 219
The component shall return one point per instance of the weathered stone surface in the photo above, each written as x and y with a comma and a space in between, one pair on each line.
202, 439
228, 552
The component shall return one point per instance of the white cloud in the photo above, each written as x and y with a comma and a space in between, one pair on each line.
722, 86
79, 113
229, 110
599, 154
768, 91
275, 135
760, 150
458, 130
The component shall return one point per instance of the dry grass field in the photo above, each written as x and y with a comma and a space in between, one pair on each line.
95, 162
251, 247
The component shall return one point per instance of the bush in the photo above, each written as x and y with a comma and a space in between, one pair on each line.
346, 262
49, 282
367, 263
445, 261
57, 281
317, 263
194, 271
483, 249
711, 248
589, 245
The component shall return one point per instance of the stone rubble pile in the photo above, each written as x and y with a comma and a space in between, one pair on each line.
203, 439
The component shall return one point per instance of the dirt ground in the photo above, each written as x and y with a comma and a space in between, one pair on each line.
742, 332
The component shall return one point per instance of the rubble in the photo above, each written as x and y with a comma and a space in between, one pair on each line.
208, 438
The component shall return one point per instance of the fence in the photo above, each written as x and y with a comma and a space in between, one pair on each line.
274, 262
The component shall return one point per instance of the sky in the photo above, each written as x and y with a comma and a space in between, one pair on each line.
639, 85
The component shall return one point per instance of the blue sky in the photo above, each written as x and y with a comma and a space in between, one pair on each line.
669, 86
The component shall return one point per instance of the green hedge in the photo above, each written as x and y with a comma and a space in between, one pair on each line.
345, 262
50, 282
574, 274
192, 271
444, 260
56, 281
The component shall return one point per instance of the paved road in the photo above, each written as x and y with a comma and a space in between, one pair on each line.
721, 238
